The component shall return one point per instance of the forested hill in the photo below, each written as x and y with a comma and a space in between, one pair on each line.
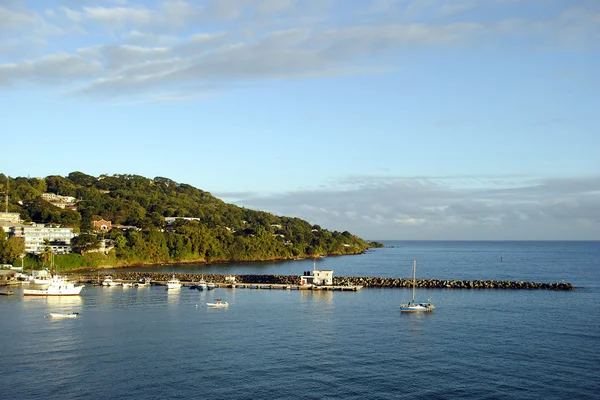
219, 232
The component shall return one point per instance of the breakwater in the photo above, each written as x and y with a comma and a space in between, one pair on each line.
366, 282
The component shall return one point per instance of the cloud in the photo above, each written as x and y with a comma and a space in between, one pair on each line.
53, 69
159, 46
442, 208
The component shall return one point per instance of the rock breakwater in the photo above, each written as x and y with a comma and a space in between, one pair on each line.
366, 282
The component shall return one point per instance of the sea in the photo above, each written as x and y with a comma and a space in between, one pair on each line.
153, 343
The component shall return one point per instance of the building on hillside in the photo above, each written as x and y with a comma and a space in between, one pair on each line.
127, 228
56, 198
59, 239
8, 219
102, 225
170, 220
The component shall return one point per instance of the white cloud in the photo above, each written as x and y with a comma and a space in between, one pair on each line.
155, 48
438, 208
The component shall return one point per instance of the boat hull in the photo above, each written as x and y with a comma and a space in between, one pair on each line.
57, 315
416, 309
218, 305
46, 292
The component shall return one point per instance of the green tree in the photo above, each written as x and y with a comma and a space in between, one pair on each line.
11, 249
46, 255
85, 242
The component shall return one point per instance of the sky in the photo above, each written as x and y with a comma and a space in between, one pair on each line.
391, 119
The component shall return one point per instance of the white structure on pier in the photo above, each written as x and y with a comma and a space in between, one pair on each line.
318, 277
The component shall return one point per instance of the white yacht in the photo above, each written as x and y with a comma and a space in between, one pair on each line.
58, 286
173, 283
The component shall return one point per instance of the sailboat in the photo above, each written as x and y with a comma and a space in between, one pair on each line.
414, 306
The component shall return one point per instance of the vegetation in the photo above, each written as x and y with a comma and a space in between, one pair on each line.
137, 207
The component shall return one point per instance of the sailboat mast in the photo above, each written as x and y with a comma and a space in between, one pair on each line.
414, 279
6, 194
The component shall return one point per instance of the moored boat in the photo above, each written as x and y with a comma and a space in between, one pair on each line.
144, 282
58, 286
202, 285
173, 283
414, 306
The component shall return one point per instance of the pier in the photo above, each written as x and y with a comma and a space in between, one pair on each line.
342, 283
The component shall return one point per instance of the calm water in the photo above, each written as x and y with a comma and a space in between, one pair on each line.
151, 343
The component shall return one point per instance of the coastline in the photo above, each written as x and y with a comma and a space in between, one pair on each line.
204, 262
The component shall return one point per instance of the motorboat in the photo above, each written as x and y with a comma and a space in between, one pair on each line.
202, 285
59, 315
210, 285
173, 283
218, 304
414, 306
108, 281
58, 286
127, 284
144, 283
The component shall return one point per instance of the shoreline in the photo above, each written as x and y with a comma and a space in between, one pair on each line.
201, 261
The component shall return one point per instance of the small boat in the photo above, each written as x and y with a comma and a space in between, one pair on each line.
173, 283
414, 306
59, 315
127, 284
107, 281
6, 293
218, 304
202, 285
210, 286
144, 283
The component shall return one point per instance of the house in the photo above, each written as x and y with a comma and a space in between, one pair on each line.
102, 225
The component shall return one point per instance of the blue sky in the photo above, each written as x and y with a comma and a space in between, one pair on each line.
392, 119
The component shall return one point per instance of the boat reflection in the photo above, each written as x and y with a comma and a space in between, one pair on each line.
173, 295
66, 301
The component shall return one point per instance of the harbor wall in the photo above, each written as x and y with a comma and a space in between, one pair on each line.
366, 282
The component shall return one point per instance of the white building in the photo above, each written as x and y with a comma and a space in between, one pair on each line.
51, 197
318, 277
59, 239
170, 220
8, 219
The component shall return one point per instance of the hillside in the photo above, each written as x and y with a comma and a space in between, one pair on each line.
137, 208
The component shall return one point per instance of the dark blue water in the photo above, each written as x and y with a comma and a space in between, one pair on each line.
151, 343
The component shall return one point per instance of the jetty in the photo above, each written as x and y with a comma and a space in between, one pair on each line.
341, 283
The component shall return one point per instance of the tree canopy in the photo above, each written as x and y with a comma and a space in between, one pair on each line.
137, 207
